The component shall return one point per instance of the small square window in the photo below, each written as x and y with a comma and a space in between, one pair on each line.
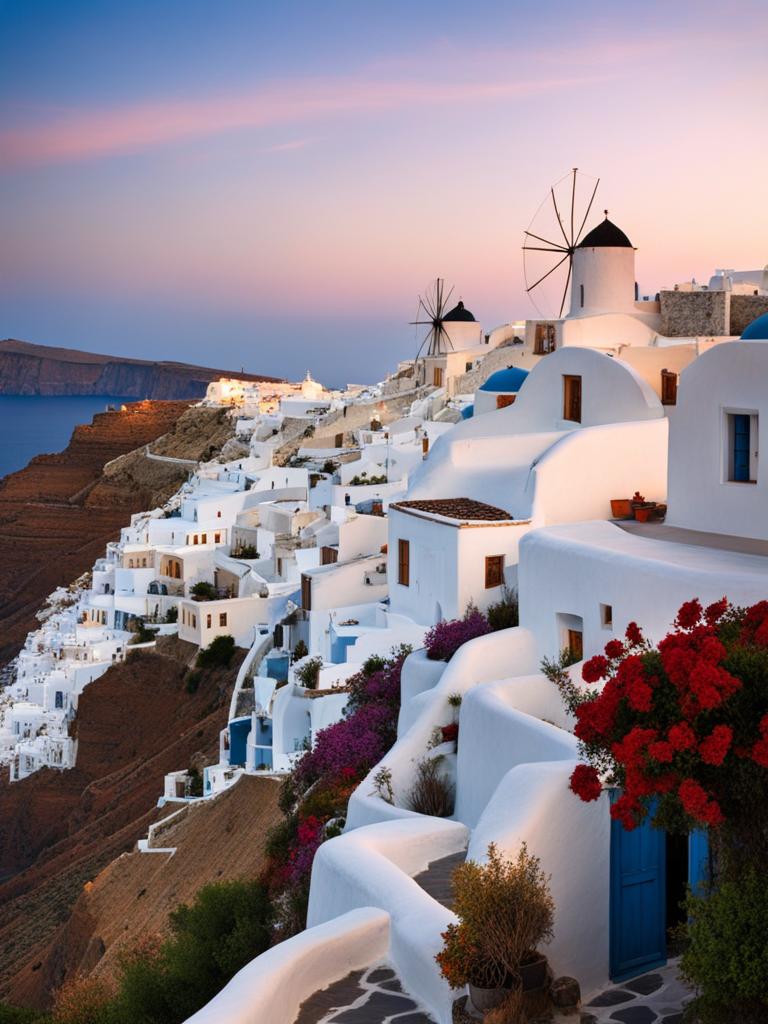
606, 616
223, 619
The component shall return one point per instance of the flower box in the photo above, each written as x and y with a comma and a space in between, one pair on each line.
621, 508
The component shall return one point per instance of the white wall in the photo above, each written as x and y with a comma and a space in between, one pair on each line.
726, 378
607, 276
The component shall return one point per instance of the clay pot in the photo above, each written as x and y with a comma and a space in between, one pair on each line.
621, 508
643, 513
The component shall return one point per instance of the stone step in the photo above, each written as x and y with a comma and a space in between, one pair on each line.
437, 879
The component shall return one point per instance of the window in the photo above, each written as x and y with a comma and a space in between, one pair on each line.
218, 514
576, 644
467, 367
606, 616
544, 339
208, 621
437, 377
668, 387
502, 401
741, 448
279, 567
581, 295
204, 539
222, 618
494, 571
194, 622
328, 556
195, 540
306, 593
424, 445
217, 538
403, 563
572, 397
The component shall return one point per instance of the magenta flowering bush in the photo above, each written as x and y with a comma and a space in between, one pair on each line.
446, 637
357, 743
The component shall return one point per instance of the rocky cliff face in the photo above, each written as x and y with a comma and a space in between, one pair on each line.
59, 829
27, 369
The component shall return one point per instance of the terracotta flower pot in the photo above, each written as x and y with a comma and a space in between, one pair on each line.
533, 975
621, 508
643, 513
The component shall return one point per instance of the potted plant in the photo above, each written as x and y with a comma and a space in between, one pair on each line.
643, 513
621, 508
505, 912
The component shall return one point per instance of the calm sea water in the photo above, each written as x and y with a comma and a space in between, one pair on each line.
36, 425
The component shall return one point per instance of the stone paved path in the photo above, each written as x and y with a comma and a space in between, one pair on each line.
372, 996
658, 997
436, 880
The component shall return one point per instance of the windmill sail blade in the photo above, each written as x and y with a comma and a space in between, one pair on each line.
594, 193
559, 218
561, 248
565, 290
573, 204
550, 271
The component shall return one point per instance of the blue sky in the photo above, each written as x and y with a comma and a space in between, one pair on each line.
272, 185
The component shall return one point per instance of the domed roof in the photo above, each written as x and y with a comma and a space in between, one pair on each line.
605, 236
468, 412
757, 330
509, 380
459, 312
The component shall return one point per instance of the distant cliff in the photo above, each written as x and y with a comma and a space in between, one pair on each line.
27, 369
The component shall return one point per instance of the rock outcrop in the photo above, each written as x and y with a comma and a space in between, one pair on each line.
27, 369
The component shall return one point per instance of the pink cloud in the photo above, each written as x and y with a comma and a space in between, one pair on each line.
88, 134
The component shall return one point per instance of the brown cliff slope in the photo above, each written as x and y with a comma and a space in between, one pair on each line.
57, 514
59, 829
27, 369
133, 896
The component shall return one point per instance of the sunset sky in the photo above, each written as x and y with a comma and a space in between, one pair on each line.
270, 185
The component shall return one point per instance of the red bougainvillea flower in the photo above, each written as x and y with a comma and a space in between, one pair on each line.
715, 611
713, 749
690, 614
698, 804
585, 782
595, 669
626, 810
614, 649
661, 751
681, 736
634, 634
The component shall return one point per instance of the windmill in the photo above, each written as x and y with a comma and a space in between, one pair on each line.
433, 305
552, 237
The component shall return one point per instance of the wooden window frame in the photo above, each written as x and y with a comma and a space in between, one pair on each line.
668, 387
575, 644
502, 401
306, 592
222, 620
437, 376
404, 562
494, 571
572, 396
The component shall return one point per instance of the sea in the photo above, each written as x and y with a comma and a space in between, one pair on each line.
40, 424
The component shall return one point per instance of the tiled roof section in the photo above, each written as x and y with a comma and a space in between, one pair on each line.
457, 508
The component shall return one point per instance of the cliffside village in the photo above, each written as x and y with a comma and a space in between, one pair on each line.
601, 468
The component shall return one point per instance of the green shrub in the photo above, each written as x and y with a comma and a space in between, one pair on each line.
195, 782
245, 551
19, 1015
203, 591
172, 615
504, 614
227, 925
141, 635
726, 958
218, 653
300, 651
309, 673
193, 681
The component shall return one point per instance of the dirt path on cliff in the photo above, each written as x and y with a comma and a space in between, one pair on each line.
59, 829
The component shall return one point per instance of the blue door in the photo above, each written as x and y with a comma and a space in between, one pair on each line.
699, 869
638, 939
741, 448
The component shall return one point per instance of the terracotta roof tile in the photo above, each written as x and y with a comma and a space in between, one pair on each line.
457, 508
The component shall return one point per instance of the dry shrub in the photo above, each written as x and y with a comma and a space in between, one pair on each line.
82, 1000
504, 906
432, 792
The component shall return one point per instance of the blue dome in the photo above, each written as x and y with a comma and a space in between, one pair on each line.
468, 412
757, 330
508, 381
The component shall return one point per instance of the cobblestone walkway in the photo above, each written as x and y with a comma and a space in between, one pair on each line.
658, 997
372, 996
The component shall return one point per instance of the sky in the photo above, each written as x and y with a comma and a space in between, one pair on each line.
271, 185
